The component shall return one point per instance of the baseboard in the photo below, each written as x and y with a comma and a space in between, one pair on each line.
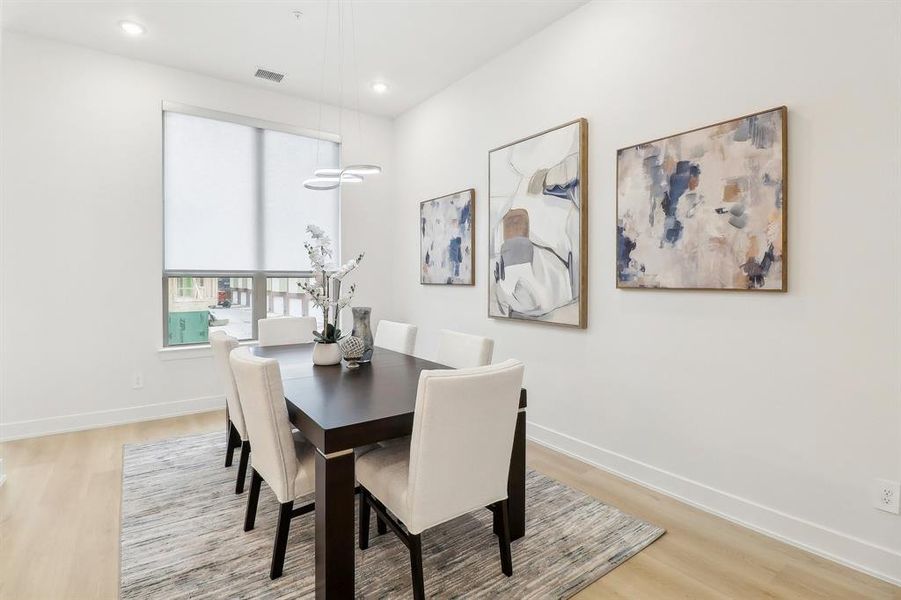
104, 418
878, 561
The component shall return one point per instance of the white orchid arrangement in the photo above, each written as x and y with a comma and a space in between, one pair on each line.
325, 287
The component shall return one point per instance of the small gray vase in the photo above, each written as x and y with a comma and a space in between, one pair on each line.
362, 330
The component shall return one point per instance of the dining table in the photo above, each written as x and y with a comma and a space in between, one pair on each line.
338, 409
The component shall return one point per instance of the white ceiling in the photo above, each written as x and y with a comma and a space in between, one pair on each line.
417, 46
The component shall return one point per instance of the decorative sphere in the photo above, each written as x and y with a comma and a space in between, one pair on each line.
352, 347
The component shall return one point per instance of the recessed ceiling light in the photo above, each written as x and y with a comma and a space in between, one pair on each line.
132, 28
379, 87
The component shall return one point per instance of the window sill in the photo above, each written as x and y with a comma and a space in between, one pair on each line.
192, 352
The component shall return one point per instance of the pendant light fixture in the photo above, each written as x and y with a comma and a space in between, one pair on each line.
330, 178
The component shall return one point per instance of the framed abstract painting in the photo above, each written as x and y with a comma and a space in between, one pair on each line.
447, 239
538, 227
705, 209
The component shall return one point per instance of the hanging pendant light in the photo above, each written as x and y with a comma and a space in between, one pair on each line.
359, 170
330, 178
322, 183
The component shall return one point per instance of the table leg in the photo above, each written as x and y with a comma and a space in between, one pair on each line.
516, 483
335, 525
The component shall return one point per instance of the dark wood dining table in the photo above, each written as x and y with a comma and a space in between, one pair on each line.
339, 409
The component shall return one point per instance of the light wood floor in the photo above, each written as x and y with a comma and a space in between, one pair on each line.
59, 528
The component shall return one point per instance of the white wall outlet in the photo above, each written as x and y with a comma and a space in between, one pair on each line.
2, 473
887, 495
137, 381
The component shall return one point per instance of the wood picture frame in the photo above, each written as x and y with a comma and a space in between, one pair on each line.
461, 206
624, 245
547, 173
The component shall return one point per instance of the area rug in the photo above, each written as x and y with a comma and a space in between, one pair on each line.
182, 537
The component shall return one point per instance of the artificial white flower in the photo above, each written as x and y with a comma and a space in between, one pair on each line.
315, 231
347, 267
319, 286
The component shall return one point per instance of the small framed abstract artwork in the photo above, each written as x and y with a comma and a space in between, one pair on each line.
447, 239
705, 209
538, 229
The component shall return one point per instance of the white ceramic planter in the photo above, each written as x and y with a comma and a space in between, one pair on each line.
326, 354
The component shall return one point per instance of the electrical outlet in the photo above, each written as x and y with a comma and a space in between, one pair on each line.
138, 381
887, 495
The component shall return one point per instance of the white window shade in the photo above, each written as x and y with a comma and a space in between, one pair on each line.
287, 205
210, 191
234, 198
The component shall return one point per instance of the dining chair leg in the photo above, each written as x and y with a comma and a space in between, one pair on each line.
281, 539
233, 440
380, 526
242, 466
253, 499
364, 520
416, 566
228, 428
503, 540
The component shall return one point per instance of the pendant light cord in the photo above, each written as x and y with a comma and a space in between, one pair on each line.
340, 70
331, 178
328, 6
353, 47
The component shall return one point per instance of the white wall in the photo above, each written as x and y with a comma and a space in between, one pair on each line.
82, 231
777, 410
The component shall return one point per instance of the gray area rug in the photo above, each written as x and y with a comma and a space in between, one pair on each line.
182, 537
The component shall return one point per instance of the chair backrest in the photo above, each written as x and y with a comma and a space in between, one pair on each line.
222, 344
279, 331
400, 337
461, 350
462, 440
266, 415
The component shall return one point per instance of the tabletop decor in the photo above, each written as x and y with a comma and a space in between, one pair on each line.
363, 331
447, 239
705, 209
352, 348
324, 289
538, 227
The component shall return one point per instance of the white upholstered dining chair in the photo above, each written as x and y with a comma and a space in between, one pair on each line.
433, 478
222, 344
279, 331
400, 337
462, 350
281, 459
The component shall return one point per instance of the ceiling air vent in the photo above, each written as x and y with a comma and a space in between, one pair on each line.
269, 75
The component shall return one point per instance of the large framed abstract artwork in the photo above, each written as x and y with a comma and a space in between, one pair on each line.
447, 239
705, 209
538, 227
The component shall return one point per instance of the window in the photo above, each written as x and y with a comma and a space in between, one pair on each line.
235, 211
200, 305
285, 298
